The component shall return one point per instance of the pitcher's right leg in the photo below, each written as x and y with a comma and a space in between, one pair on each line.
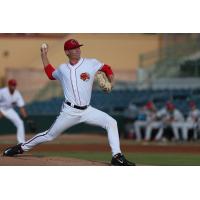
99, 118
96, 117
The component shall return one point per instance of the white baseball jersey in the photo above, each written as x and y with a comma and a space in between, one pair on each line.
8, 100
176, 121
193, 115
176, 114
77, 80
151, 115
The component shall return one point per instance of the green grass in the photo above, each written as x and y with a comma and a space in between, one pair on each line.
140, 158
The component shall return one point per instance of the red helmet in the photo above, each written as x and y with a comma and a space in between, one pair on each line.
71, 44
12, 82
170, 106
149, 105
192, 104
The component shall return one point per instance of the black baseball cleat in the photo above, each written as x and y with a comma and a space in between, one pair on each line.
120, 160
12, 151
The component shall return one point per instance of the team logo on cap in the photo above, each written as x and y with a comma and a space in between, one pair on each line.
74, 42
85, 76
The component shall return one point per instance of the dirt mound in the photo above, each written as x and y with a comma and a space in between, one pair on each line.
29, 160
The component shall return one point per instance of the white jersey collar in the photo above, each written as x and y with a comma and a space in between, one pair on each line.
76, 65
9, 92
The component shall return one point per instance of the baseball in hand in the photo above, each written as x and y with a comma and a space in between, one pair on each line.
44, 46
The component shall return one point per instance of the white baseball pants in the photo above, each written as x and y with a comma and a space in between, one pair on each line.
186, 127
12, 115
160, 133
71, 116
150, 127
175, 127
138, 125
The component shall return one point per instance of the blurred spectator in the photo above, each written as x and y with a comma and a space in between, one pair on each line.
131, 112
154, 123
191, 121
130, 115
170, 117
147, 115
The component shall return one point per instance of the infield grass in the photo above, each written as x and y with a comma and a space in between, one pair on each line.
151, 159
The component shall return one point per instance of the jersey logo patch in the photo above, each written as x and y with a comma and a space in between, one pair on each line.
85, 76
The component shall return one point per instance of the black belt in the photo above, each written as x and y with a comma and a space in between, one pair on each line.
75, 106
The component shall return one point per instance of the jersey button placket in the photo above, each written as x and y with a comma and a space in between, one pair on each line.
74, 85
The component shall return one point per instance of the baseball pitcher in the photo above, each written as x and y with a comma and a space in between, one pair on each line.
76, 78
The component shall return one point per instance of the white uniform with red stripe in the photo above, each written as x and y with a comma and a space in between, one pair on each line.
77, 81
7, 102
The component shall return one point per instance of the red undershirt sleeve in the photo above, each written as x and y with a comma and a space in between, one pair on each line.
49, 69
107, 70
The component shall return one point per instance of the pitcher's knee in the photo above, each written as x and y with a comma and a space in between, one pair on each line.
112, 123
19, 123
49, 138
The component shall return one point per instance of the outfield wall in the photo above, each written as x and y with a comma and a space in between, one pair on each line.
121, 51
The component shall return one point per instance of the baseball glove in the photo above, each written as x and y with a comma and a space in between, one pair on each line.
103, 81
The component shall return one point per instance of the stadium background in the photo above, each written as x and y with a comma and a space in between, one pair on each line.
147, 67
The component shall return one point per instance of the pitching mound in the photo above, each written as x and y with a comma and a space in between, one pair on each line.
29, 160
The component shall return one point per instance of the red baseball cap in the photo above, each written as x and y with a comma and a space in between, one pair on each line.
170, 106
149, 105
192, 104
71, 44
12, 82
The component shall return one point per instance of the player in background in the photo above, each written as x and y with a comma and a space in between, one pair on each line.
191, 121
154, 123
9, 98
149, 111
130, 116
170, 117
76, 78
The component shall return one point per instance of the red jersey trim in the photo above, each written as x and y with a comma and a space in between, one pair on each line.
107, 70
